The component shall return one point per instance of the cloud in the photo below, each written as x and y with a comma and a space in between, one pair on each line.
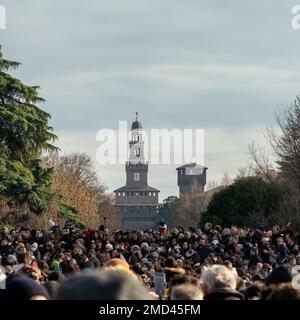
221, 66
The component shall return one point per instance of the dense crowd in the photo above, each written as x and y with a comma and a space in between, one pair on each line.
212, 263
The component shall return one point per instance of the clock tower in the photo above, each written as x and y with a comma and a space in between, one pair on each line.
137, 202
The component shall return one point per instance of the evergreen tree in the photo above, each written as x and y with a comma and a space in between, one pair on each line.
24, 134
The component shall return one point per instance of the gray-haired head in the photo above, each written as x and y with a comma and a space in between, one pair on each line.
218, 276
186, 292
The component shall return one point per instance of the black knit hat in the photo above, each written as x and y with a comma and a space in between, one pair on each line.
22, 288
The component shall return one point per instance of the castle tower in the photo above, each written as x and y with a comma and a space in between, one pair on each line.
191, 178
137, 202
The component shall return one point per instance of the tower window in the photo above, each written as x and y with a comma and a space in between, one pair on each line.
136, 176
138, 152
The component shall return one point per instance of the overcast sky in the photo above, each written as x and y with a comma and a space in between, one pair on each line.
222, 66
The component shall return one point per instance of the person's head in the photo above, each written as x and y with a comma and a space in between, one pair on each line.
280, 241
284, 292
56, 276
51, 287
253, 251
254, 291
49, 245
170, 262
234, 230
28, 259
116, 264
202, 241
187, 235
217, 277
275, 230
67, 256
281, 274
208, 226
102, 285
174, 242
185, 245
186, 292
228, 264
77, 251
226, 231
144, 247
23, 288
12, 259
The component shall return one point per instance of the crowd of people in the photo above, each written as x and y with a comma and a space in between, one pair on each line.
214, 263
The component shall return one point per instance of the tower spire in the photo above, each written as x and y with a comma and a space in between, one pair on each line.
136, 116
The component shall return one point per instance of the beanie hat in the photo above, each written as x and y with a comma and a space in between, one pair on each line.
56, 265
21, 245
109, 247
22, 288
34, 247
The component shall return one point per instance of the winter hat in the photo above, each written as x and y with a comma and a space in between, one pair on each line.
282, 274
34, 247
88, 232
56, 265
175, 231
145, 260
268, 233
266, 266
109, 247
22, 288
21, 245
189, 253
180, 236
102, 285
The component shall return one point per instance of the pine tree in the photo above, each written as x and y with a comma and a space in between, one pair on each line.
24, 135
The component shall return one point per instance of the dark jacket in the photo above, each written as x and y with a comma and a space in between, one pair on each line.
224, 294
203, 252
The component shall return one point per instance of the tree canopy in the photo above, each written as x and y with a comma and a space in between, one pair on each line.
24, 134
246, 202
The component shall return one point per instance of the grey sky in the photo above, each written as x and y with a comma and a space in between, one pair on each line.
222, 66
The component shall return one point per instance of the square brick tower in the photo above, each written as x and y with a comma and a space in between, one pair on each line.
191, 178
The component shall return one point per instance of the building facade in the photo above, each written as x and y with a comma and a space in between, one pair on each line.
191, 178
137, 202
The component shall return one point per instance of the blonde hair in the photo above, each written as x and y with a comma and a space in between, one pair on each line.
120, 265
